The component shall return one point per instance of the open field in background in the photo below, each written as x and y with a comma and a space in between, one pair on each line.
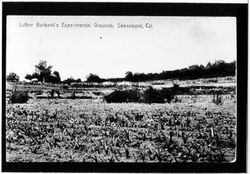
191, 128
199, 86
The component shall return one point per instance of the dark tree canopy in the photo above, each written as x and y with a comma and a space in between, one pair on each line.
217, 69
94, 78
28, 77
43, 73
12, 77
129, 76
78, 80
35, 75
55, 77
72, 80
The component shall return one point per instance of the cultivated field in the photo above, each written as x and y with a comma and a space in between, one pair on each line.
190, 129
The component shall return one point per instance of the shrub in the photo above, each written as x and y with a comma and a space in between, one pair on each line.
123, 96
150, 95
19, 96
12, 77
160, 96
153, 96
168, 94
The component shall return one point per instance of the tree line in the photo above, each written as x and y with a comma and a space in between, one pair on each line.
217, 69
44, 73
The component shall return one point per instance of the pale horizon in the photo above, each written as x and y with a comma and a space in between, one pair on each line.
172, 43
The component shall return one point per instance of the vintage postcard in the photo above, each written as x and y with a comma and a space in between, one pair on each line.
121, 89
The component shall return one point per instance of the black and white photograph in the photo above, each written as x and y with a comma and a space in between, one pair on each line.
121, 89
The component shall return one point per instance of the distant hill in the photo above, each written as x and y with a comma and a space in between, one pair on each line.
217, 69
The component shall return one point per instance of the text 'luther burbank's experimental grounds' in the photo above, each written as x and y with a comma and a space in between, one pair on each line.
85, 25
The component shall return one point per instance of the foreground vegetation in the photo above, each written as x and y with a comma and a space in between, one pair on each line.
92, 131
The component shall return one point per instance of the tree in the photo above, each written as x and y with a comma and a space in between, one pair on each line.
69, 80
202, 67
78, 80
57, 78
35, 75
28, 77
209, 65
129, 76
219, 62
43, 71
93, 78
54, 78
12, 77
193, 67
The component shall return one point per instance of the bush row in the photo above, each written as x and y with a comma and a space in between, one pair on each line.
150, 95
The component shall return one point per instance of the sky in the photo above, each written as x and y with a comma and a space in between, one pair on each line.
163, 43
